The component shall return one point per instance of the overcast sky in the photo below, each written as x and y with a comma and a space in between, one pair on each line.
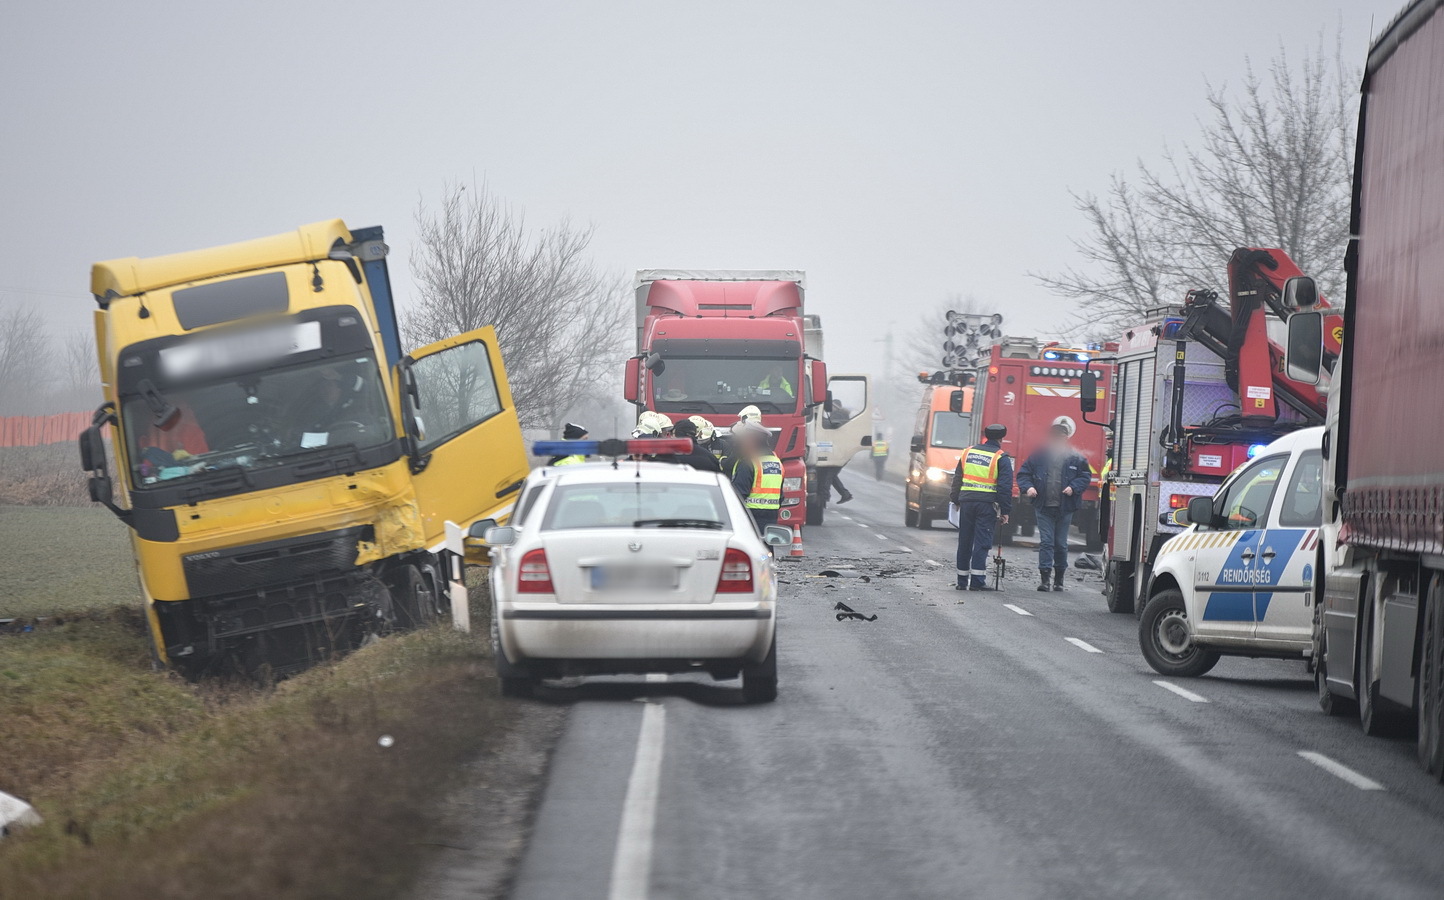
898, 152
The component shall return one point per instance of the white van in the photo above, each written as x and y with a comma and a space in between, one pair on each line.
1237, 581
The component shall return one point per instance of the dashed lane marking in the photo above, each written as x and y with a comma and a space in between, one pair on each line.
881, 537
933, 562
632, 862
1017, 609
861, 524
1187, 695
1340, 770
1083, 645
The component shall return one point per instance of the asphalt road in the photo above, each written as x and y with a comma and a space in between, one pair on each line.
971, 745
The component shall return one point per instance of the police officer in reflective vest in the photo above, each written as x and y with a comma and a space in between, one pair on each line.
982, 489
756, 473
570, 432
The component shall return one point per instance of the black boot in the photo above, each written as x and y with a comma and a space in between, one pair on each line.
845, 497
1058, 579
1043, 577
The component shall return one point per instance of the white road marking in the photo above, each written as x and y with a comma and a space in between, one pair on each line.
632, 863
1017, 609
881, 537
656, 676
1187, 695
933, 562
861, 524
1083, 645
1342, 771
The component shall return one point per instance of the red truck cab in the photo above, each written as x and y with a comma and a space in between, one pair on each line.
711, 343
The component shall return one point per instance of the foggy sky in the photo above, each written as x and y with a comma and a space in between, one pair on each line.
897, 152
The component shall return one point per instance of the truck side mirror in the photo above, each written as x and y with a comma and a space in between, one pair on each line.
632, 380
866, 440
655, 363
916, 446
1088, 391
1200, 512
955, 402
92, 460
1300, 292
817, 371
1304, 356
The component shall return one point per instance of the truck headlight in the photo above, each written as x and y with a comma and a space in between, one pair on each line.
791, 485
936, 474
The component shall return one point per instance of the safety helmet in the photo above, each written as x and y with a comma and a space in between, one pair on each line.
652, 422
705, 429
1066, 425
995, 430
750, 414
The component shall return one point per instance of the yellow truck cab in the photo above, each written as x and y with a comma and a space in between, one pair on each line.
940, 435
287, 473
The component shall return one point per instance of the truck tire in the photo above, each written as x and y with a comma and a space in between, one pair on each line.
1332, 704
513, 680
1164, 638
1374, 718
413, 598
1118, 588
759, 680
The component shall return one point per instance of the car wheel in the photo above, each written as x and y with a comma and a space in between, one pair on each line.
514, 680
1166, 639
925, 521
759, 680
1332, 704
1429, 702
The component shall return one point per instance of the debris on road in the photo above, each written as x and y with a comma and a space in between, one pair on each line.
1088, 561
847, 612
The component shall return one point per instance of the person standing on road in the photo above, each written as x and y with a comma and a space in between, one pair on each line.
756, 473
1054, 477
879, 454
983, 492
700, 457
570, 432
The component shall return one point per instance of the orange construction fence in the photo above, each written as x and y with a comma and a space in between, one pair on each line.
34, 431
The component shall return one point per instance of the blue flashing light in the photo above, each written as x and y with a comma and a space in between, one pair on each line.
637, 447
565, 448
1255, 450
1171, 328
1052, 354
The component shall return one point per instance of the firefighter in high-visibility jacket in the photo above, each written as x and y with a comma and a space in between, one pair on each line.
756, 473
983, 492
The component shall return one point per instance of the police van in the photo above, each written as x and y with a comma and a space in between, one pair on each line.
1236, 581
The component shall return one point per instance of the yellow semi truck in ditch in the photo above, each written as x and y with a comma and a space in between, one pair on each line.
293, 481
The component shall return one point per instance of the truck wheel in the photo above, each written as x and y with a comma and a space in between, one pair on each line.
759, 680
815, 510
1332, 704
925, 521
1119, 590
1163, 634
1373, 717
1429, 700
413, 599
514, 680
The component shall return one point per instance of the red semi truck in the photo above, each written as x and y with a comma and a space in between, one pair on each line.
711, 343
1378, 590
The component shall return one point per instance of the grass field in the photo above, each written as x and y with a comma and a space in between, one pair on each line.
154, 787
60, 559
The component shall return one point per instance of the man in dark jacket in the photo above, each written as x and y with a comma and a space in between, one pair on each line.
1054, 478
982, 490
700, 457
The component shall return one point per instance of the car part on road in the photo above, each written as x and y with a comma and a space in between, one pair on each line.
1166, 641
847, 612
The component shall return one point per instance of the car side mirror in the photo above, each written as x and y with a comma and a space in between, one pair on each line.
1200, 512
479, 528
500, 536
777, 536
916, 444
1088, 391
1304, 356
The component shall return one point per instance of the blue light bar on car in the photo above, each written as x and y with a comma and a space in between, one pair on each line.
636, 447
1255, 450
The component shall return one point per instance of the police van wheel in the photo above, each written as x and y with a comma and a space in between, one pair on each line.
1164, 636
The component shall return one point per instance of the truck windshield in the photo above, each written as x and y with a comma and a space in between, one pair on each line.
258, 420
951, 430
726, 385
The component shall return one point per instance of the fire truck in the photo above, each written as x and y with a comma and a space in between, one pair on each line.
711, 343
1026, 385
1198, 390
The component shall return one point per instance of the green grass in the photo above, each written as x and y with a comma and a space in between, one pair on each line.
56, 559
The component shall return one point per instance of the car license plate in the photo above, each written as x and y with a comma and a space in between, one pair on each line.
633, 578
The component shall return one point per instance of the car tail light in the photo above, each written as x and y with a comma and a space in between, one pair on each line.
534, 577
736, 577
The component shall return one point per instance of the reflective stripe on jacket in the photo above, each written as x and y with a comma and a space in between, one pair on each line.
570, 460
980, 469
766, 491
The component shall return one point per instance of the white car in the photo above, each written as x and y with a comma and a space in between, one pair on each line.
1237, 582
631, 568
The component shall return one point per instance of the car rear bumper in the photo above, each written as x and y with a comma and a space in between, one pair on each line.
713, 631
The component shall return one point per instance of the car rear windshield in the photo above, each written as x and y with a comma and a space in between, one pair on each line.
636, 505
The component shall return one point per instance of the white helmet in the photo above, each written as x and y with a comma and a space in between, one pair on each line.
1067, 424
651, 422
750, 414
705, 429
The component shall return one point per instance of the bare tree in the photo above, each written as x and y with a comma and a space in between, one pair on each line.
561, 322
24, 361
1272, 169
